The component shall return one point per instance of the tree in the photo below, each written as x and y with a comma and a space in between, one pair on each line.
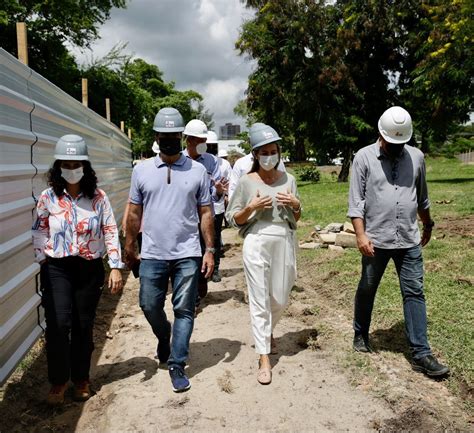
50, 25
439, 90
327, 70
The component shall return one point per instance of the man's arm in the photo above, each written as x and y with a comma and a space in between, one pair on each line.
134, 220
424, 204
364, 244
425, 217
207, 231
357, 205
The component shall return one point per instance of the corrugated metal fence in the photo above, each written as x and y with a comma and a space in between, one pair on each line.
33, 115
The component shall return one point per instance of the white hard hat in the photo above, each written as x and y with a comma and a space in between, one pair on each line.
168, 120
395, 125
261, 134
196, 128
211, 137
222, 153
71, 147
155, 147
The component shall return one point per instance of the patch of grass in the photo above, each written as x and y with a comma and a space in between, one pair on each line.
309, 340
448, 266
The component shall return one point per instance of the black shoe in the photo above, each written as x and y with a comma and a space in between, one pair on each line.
216, 277
163, 351
361, 344
430, 366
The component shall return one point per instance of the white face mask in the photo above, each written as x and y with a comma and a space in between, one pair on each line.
267, 162
201, 148
72, 176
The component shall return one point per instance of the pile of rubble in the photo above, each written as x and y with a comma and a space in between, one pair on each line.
335, 236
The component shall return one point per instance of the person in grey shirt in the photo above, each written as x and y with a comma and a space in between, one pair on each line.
387, 191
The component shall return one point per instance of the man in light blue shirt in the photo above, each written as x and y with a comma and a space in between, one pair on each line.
387, 191
171, 193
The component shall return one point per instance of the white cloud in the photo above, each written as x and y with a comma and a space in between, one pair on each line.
191, 41
221, 96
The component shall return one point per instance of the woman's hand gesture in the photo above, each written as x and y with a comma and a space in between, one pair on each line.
288, 199
258, 202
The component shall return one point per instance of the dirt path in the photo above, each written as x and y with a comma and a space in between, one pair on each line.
306, 394
310, 391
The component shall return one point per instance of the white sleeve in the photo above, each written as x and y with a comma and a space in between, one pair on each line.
235, 175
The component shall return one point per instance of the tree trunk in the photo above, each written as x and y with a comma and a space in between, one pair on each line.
346, 165
300, 150
425, 147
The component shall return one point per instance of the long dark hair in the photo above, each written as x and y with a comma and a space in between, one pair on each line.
256, 163
88, 182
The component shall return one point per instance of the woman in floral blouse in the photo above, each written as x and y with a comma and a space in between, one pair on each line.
75, 226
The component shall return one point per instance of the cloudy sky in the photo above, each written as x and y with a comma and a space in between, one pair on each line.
191, 41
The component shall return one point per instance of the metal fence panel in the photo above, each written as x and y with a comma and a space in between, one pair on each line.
33, 115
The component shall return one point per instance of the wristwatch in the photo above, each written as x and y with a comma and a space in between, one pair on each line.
210, 250
429, 226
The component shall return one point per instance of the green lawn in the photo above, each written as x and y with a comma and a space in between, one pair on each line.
449, 259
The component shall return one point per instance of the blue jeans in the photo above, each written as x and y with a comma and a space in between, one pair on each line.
409, 265
154, 276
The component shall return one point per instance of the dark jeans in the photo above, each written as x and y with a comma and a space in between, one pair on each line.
71, 289
218, 219
154, 276
202, 280
409, 265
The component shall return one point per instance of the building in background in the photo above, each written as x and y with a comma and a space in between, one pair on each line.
229, 131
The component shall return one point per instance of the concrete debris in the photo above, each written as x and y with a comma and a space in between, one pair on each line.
336, 234
310, 245
348, 228
327, 238
335, 248
334, 227
347, 240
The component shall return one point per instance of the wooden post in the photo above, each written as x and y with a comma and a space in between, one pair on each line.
129, 134
122, 126
22, 42
107, 108
85, 96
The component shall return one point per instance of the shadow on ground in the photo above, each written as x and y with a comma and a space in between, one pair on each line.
206, 354
392, 339
23, 408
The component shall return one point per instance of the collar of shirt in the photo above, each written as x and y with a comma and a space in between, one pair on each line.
69, 196
159, 162
381, 154
200, 158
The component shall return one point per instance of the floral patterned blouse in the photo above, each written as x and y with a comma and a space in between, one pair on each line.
76, 227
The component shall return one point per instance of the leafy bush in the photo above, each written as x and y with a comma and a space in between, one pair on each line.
456, 146
453, 146
309, 173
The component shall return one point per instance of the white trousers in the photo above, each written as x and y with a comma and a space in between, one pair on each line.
270, 271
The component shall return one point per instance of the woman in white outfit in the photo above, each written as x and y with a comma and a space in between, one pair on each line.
265, 207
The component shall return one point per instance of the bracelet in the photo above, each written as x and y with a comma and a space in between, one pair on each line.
298, 209
210, 250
